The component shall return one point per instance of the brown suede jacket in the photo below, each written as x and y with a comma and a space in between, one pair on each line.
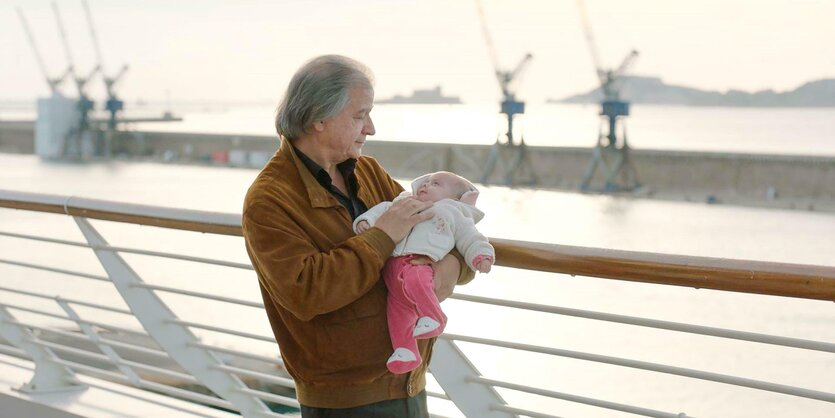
321, 283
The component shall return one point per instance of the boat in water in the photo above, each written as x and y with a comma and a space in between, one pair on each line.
423, 96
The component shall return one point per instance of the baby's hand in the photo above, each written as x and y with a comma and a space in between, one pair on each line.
363, 226
484, 265
469, 197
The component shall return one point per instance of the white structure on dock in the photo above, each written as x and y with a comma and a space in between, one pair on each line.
57, 126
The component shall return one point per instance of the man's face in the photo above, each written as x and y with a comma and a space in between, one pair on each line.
439, 186
346, 131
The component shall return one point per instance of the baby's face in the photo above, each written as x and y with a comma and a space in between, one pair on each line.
439, 186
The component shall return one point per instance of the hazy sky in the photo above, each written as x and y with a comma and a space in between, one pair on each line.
246, 50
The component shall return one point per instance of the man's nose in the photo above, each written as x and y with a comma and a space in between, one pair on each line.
369, 127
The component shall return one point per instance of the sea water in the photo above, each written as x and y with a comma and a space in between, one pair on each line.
799, 131
519, 214
803, 131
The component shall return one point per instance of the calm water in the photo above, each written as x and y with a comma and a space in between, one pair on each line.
807, 131
775, 131
542, 216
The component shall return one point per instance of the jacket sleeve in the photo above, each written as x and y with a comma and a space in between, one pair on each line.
469, 241
466, 274
301, 278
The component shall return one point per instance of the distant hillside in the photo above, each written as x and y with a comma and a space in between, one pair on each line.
651, 90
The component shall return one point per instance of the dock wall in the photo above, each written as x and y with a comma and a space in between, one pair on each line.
804, 182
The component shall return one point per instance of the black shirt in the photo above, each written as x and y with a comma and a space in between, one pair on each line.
351, 202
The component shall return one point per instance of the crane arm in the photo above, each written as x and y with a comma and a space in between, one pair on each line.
521, 66
53, 84
110, 82
92, 73
627, 62
514, 76
93, 35
64, 42
491, 48
595, 56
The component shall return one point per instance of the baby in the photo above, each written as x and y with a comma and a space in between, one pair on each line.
413, 309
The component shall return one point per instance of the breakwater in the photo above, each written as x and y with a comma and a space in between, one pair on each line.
782, 181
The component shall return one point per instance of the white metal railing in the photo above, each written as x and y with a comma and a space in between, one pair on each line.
164, 354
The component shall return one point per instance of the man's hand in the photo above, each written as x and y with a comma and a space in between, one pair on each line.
446, 270
403, 214
362, 226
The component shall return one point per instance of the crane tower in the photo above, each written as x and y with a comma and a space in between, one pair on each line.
611, 152
519, 169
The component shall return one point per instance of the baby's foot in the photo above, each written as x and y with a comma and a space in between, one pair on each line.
402, 361
427, 328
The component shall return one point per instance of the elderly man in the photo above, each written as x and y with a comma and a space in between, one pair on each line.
320, 282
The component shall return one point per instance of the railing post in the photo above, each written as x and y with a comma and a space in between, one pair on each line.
49, 376
94, 337
454, 373
175, 339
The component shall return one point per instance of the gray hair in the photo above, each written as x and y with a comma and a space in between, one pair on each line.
319, 90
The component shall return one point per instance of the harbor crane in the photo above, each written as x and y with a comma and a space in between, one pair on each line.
85, 105
68, 129
519, 170
611, 153
113, 104
53, 82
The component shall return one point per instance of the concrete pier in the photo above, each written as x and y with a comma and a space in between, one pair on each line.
781, 181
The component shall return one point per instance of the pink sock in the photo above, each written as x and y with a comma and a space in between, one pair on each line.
403, 360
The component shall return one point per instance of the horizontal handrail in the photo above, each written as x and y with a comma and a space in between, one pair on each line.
159, 387
81, 321
190, 220
68, 300
265, 377
271, 397
201, 295
167, 404
270, 360
16, 352
85, 338
438, 395
103, 358
523, 412
55, 270
578, 399
656, 323
760, 277
128, 250
656, 367
222, 330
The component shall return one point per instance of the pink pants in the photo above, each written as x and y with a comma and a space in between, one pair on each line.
411, 295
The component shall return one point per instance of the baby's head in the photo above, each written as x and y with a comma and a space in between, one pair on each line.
441, 185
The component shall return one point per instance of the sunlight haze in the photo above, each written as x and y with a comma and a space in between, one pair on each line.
246, 51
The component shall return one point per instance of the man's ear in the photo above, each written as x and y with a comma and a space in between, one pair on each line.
319, 126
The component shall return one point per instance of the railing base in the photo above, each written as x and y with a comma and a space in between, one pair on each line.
102, 399
34, 389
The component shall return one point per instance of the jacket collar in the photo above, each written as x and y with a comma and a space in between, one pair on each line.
319, 197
